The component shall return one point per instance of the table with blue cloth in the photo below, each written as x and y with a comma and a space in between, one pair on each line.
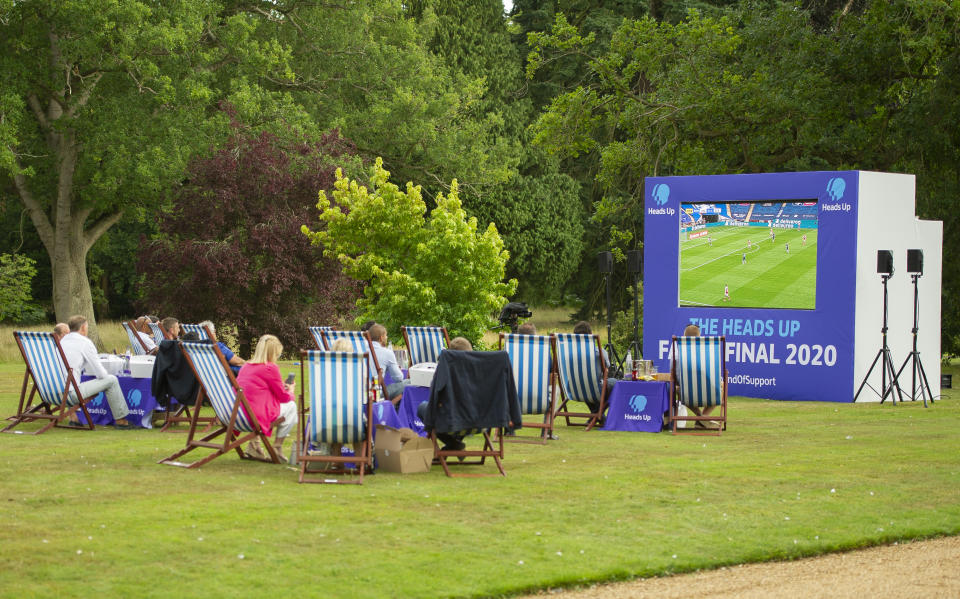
407, 411
140, 400
637, 406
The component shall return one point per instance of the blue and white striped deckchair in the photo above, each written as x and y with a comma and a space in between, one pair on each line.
199, 330
52, 380
317, 333
158, 335
360, 340
530, 360
136, 344
334, 408
425, 343
237, 421
582, 374
698, 373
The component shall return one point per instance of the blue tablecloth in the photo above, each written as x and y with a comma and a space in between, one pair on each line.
411, 400
638, 406
139, 398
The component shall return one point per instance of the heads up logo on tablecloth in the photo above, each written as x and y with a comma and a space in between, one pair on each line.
97, 401
638, 403
661, 193
835, 188
133, 398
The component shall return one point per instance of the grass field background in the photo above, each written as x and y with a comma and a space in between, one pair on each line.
770, 278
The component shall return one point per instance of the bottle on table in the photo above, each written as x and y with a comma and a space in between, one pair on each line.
628, 366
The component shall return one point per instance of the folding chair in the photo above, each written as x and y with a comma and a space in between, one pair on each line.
52, 379
337, 410
530, 360
204, 333
582, 372
158, 333
698, 378
137, 346
318, 337
477, 381
425, 343
362, 344
237, 422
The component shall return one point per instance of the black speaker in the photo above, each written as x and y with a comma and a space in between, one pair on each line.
885, 262
605, 262
915, 261
635, 261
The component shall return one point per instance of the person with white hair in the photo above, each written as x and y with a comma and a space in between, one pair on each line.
233, 359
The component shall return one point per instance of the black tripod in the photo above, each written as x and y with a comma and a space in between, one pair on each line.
611, 351
915, 355
887, 366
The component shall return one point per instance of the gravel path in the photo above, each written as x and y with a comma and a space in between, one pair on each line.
920, 569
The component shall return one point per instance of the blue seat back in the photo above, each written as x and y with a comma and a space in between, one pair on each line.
218, 382
158, 335
135, 346
44, 360
338, 384
199, 330
699, 370
317, 333
360, 340
425, 343
578, 366
530, 361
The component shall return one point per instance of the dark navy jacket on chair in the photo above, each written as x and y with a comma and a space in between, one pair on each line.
472, 390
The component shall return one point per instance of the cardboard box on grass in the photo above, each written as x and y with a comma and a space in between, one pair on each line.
402, 450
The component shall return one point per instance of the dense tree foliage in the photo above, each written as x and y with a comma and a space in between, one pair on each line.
16, 273
419, 268
230, 247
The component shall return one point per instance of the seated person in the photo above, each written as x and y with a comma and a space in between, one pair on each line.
693, 330
451, 441
171, 327
233, 360
527, 328
60, 329
142, 329
81, 354
388, 363
342, 344
583, 328
272, 400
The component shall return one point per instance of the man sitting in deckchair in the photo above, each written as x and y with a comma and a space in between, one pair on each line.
81, 355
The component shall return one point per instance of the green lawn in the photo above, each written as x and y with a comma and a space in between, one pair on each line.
770, 277
91, 514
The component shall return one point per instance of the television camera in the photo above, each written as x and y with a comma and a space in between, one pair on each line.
511, 313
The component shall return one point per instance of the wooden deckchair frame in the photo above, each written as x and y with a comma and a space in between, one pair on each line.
362, 463
27, 412
232, 440
440, 456
676, 400
546, 427
592, 418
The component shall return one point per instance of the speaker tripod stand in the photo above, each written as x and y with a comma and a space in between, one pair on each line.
914, 357
611, 351
883, 356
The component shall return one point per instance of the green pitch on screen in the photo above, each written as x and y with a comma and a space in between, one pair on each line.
763, 275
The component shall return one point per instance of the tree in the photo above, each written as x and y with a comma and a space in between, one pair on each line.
418, 270
16, 273
230, 247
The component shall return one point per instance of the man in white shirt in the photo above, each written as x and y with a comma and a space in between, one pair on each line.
142, 329
81, 355
388, 363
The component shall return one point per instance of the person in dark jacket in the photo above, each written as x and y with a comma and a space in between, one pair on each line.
172, 376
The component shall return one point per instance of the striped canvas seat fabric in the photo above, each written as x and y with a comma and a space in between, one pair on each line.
338, 387
578, 366
360, 343
44, 361
700, 370
530, 361
158, 335
217, 383
317, 333
199, 330
425, 343
135, 346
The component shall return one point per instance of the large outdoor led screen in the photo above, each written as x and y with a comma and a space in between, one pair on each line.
756, 254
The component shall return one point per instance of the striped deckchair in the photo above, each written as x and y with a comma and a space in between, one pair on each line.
158, 334
136, 343
318, 336
582, 372
425, 343
52, 380
334, 408
530, 360
698, 380
205, 334
360, 340
236, 421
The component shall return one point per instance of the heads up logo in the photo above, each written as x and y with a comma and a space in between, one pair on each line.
98, 400
835, 188
661, 193
133, 398
637, 403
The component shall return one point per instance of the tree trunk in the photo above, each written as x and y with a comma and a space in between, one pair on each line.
71, 287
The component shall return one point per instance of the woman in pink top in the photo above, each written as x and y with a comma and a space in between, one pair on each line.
272, 401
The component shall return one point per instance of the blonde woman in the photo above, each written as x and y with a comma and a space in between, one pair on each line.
271, 399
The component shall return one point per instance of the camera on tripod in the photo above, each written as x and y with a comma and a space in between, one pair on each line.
511, 314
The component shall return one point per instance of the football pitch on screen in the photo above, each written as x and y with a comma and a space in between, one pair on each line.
762, 274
